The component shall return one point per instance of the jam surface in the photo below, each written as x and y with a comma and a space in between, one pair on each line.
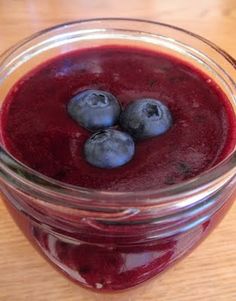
38, 131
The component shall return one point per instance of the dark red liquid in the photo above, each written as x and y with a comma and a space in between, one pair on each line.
37, 130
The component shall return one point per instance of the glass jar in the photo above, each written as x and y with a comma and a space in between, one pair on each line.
111, 241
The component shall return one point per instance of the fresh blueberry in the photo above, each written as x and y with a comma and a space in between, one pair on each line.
94, 109
109, 148
145, 118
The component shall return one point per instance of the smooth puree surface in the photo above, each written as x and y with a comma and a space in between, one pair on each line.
37, 130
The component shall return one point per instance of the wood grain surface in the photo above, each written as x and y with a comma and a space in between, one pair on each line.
209, 273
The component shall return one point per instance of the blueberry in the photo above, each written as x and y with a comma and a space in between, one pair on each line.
145, 118
109, 148
94, 109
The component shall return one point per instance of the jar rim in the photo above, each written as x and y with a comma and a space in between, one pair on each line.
10, 168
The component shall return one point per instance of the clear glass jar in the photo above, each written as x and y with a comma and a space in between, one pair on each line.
110, 241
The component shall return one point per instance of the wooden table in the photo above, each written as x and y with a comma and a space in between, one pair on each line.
209, 274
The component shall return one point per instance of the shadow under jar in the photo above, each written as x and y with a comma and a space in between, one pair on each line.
111, 241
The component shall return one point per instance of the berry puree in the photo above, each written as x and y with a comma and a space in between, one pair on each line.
37, 129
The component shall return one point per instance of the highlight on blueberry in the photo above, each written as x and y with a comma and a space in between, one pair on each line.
109, 148
94, 109
146, 118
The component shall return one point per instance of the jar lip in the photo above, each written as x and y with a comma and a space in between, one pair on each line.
29, 177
